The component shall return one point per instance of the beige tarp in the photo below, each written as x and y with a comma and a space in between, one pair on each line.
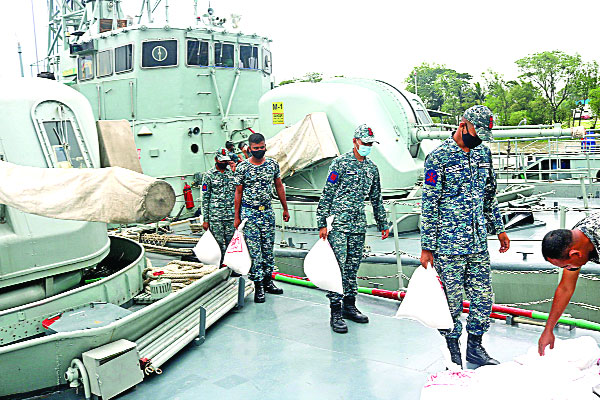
111, 195
303, 144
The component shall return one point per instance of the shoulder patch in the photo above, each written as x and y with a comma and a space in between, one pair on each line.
333, 177
431, 177
204, 187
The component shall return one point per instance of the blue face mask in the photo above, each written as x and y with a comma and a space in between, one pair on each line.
364, 150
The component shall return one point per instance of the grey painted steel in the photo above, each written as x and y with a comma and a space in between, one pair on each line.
47, 358
26, 320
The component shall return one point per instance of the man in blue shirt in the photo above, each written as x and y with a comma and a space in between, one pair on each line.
459, 210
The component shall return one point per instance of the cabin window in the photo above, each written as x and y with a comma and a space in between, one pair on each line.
224, 55
423, 117
248, 57
197, 53
104, 62
124, 58
159, 53
65, 151
85, 70
267, 61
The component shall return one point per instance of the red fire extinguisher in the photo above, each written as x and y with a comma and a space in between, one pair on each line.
187, 195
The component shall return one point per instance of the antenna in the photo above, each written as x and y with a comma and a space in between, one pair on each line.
20, 59
37, 59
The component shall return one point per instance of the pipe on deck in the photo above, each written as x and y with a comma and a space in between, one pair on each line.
573, 133
398, 295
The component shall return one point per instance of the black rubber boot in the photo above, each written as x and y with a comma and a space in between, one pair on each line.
259, 292
337, 323
454, 348
476, 354
270, 286
349, 311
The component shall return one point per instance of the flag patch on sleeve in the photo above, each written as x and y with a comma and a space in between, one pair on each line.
204, 187
333, 177
431, 177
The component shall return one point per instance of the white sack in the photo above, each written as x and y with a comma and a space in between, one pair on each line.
237, 256
566, 373
303, 144
207, 249
426, 301
112, 195
321, 266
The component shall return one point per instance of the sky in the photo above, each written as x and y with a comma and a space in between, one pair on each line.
369, 39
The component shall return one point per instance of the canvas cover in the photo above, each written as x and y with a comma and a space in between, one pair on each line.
303, 144
112, 195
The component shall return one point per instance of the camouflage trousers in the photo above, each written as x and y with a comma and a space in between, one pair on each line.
223, 231
259, 233
348, 249
470, 272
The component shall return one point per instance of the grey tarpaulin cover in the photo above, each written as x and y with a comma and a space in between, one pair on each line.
111, 195
303, 144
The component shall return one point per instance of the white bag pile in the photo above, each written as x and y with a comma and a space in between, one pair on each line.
237, 256
321, 266
426, 301
567, 372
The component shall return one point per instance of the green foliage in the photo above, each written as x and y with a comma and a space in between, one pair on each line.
518, 116
443, 88
286, 82
312, 77
308, 77
594, 96
554, 72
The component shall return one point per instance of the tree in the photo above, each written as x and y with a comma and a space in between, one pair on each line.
426, 76
594, 96
554, 72
479, 93
498, 98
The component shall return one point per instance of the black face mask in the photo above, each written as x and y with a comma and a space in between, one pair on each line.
222, 165
470, 141
258, 153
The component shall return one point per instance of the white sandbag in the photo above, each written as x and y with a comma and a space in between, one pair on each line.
207, 249
321, 266
426, 301
237, 256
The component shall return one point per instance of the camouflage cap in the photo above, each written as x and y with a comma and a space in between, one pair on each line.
481, 117
223, 155
365, 134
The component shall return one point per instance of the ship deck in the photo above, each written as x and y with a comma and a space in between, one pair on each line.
285, 348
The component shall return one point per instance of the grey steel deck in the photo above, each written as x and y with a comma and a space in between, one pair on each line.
284, 349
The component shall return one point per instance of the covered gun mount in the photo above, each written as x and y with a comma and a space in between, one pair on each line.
347, 103
48, 133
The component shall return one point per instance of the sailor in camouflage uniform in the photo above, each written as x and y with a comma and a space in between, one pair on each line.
254, 179
459, 211
568, 249
218, 192
352, 179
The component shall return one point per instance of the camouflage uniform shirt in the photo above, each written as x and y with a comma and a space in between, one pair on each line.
590, 226
349, 183
218, 194
459, 206
257, 181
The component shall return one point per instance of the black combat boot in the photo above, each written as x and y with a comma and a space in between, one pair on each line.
349, 311
270, 286
259, 292
454, 348
476, 354
337, 323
